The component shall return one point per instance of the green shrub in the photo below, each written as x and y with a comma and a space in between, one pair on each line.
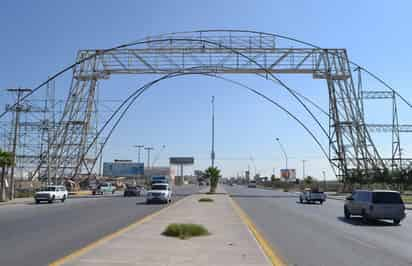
206, 200
24, 194
185, 231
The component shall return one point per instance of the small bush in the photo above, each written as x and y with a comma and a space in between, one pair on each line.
24, 194
206, 200
185, 231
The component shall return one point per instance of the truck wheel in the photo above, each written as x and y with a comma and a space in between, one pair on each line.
94, 192
396, 221
347, 213
63, 199
301, 200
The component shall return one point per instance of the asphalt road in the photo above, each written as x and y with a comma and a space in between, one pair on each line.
309, 234
33, 234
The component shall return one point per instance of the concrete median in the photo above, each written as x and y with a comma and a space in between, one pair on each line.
231, 242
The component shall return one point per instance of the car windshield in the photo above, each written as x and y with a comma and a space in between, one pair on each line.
387, 197
48, 189
159, 187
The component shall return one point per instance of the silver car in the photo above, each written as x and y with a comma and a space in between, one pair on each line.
375, 204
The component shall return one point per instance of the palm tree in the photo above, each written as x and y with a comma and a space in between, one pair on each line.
6, 160
213, 174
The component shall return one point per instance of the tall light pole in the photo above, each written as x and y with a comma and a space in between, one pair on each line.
303, 169
212, 155
148, 155
139, 150
286, 156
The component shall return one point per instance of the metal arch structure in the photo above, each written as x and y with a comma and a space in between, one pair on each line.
221, 52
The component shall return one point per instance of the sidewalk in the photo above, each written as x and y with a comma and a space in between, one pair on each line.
230, 242
17, 201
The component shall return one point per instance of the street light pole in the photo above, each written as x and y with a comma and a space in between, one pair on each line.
284, 152
303, 169
212, 155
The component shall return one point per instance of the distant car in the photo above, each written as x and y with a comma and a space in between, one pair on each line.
251, 184
159, 192
312, 195
51, 193
375, 204
104, 188
133, 191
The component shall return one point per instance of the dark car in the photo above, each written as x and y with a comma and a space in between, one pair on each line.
132, 191
375, 204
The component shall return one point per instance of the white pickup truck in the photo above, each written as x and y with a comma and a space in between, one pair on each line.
159, 192
51, 193
312, 195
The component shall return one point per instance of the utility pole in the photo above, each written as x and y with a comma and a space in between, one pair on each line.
212, 155
303, 169
17, 110
139, 150
286, 156
48, 152
324, 181
148, 155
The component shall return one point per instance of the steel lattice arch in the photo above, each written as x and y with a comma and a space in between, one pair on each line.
73, 145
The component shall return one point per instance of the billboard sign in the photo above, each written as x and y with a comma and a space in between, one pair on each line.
182, 160
126, 169
288, 174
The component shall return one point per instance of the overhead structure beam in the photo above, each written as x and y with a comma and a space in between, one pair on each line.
351, 145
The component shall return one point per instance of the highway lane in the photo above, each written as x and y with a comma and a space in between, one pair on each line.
33, 234
309, 234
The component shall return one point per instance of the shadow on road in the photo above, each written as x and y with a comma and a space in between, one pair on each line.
358, 221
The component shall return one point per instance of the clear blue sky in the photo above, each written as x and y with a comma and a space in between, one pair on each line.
40, 37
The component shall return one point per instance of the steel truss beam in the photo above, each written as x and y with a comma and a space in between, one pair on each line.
351, 146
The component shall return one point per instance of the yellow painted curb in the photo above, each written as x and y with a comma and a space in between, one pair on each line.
113, 235
270, 252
